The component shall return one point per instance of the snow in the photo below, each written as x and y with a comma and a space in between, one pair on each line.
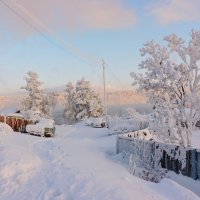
186, 182
96, 122
79, 163
118, 125
17, 115
4, 128
47, 123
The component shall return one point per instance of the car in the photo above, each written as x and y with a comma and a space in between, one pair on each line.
44, 128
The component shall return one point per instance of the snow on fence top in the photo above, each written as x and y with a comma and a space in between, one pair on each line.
143, 134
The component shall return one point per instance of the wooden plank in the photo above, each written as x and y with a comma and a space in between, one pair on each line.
168, 162
193, 165
177, 166
187, 167
163, 162
198, 165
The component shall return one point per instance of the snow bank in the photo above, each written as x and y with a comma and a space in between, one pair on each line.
124, 125
4, 128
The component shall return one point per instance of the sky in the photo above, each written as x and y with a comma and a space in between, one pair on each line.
66, 40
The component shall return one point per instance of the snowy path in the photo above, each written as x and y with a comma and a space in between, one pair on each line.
78, 164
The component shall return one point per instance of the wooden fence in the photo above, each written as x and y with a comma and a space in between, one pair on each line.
16, 123
174, 158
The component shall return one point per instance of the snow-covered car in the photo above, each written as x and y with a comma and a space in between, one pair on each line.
44, 128
98, 122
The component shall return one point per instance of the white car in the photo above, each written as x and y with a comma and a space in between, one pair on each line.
44, 128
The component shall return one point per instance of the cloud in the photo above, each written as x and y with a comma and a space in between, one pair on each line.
172, 11
70, 15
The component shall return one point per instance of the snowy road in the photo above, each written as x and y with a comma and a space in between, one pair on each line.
78, 164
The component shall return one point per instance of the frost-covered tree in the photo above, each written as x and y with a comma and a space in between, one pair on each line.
49, 102
162, 121
37, 103
33, 100
87, 102
69, 111
96, 108
81, 102
171, 79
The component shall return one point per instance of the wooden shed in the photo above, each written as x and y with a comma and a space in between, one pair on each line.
16, 122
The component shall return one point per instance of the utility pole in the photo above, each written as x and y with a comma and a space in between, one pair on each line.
104, 89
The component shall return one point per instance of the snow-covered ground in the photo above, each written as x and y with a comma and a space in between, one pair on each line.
79, 163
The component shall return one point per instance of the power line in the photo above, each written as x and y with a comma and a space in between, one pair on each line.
25, 20
27, 13
73, 51
70, 47
62, 41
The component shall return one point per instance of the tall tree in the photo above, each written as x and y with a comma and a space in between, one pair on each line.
171, 79
37, 103
33, 100
87, 102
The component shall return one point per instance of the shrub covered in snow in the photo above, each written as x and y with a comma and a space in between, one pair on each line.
144, 169
125, 125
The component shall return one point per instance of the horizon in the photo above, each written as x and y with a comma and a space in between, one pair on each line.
68, 40
61, 89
